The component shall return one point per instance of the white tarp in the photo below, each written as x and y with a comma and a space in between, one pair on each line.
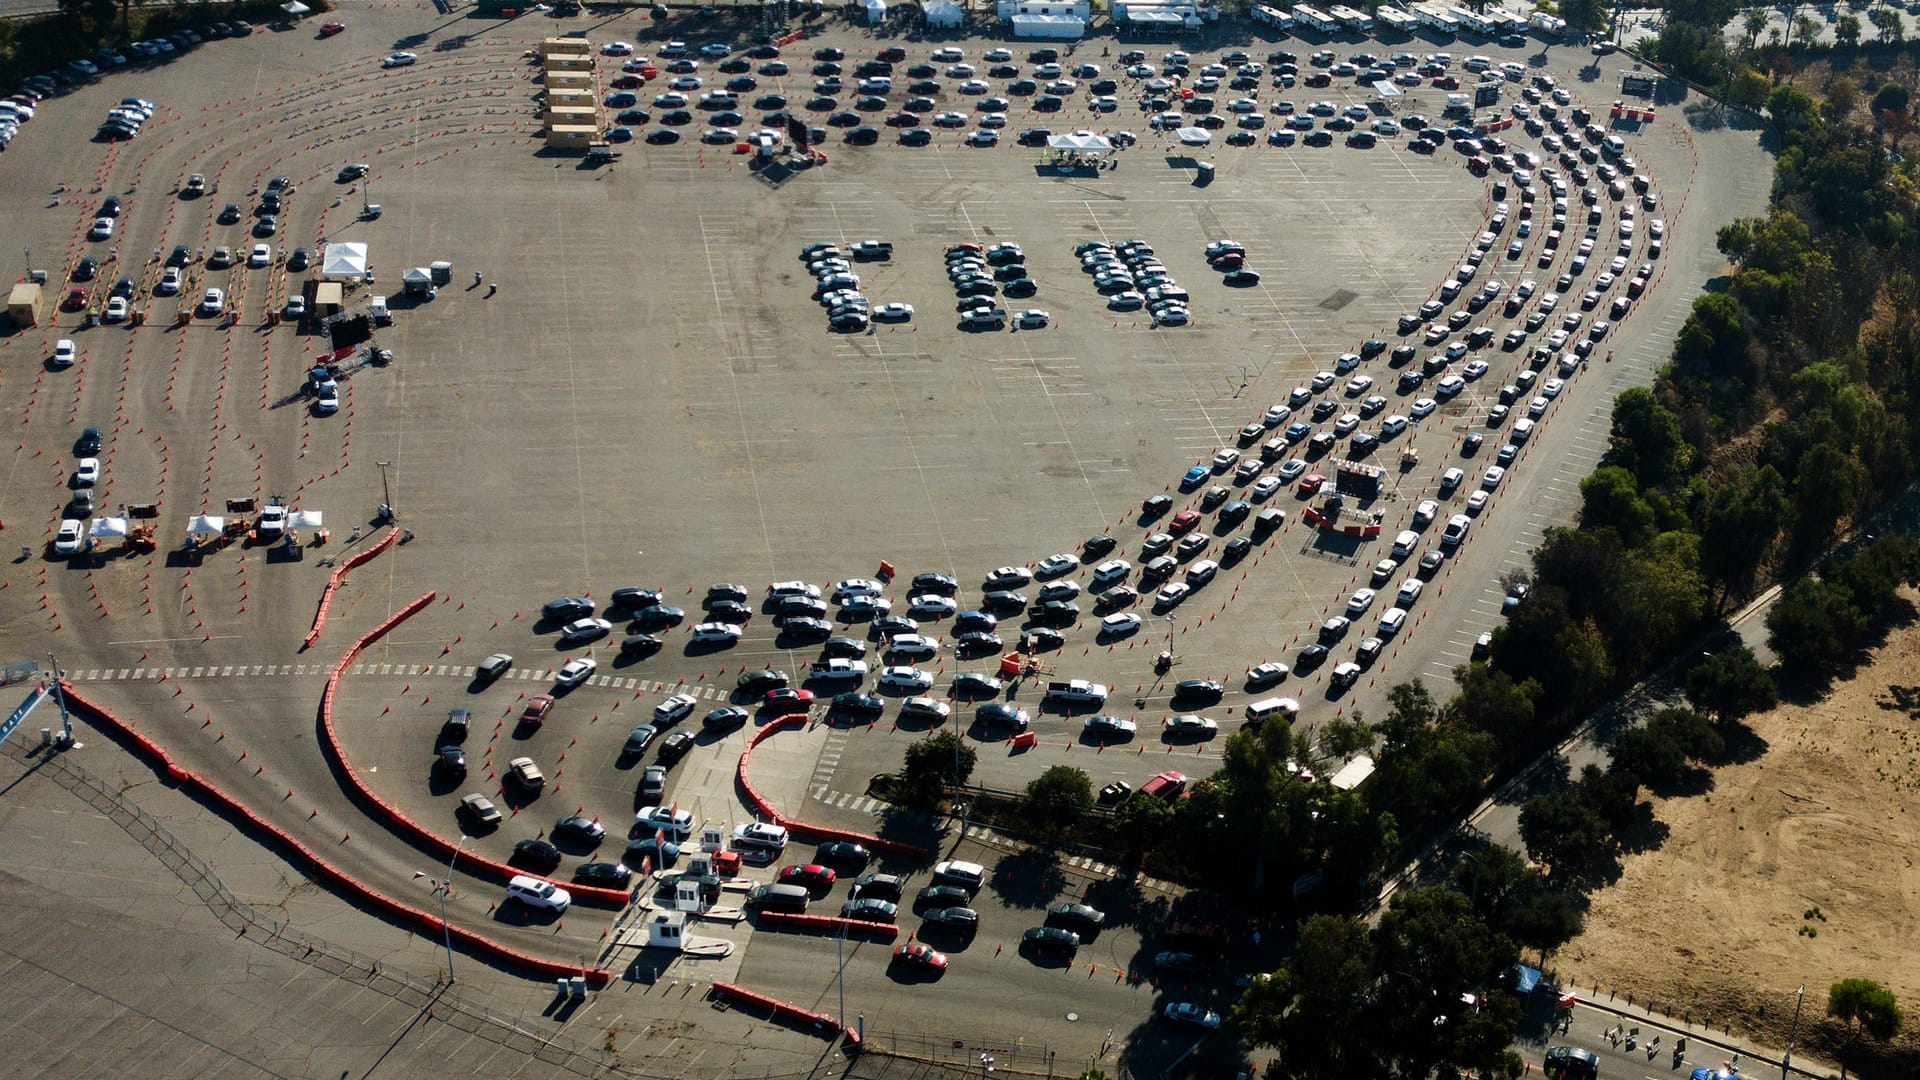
295, 8
876, 12
348, 260
1048, 26
305, 519
110, 526
1192, 136
943, 13
1080, 143
1156, 20
206, 525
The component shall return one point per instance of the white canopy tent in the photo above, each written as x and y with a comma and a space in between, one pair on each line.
206, 525
1156, 21
110, 526
876, 12
1193, 136
943, 14
295, 9
1061, 27
1077, 150
305, 519
345, 260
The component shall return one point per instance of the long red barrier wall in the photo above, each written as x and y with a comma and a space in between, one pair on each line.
786, 1011
424, 920
478, 865
339, 574
769, 812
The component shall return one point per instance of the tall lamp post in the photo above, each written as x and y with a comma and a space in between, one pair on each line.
444, 888
1799, 998
386, 492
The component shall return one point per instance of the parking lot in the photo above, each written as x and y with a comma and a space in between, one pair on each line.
639, 389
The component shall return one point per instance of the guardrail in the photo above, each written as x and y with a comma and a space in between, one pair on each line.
423, 920
767, 811
787, 1011
478, 865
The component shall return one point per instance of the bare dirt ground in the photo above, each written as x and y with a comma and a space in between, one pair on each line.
1796, 866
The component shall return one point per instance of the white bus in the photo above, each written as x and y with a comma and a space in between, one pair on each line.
1394, 19
1358, 21
1315, 18
1437, 18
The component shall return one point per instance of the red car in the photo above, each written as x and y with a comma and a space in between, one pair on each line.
76, 299
1183, 522
967, 246
327, 30
537, 708
1232, 260
920, 955
1311, 483
788, 699
810, 875
1445, 82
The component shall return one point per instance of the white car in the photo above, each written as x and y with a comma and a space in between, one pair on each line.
894, 313
1322, 380
575, 671
1359, 384
910, 680
169, 282
102, 229
1120, 625
1172, 594
714, 632
1032, 319
1264, 487
617, 48
399, 59
1551, 388
675, 708
64, 353
1189, 726
1009, 577
585, 629
71, 537
1055, 565
913, 647
1423, 407
213, 302
1266, 674
856, 587
1225, 458
673, 821
87, 472
932, 605
1476, 502
261, 255
1360, 601
327, 401
1494, 474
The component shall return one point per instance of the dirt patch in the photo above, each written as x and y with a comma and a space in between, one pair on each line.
1798, 867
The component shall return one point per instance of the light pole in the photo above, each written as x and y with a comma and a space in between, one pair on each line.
386, 492
443, 889
1799, 998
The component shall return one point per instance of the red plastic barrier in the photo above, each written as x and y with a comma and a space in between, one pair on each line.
339, 574
478, 865
424, 920
833, 923
769, 812
785, 1010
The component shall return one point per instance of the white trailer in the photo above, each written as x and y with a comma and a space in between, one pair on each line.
1437, 18
1314, 18
1273, 17
1394, 19
1475, 23
1357, 21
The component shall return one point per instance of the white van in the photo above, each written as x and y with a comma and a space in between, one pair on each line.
1522, 428
536, 893
1392, 621
761, 834
1274, 706
1406, 544
967, 875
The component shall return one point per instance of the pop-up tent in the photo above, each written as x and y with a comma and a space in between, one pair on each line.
1193, 136
346, 260
110, 526
206, 525
305, 519
943, 14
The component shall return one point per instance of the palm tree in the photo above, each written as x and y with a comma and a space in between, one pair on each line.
1755, 23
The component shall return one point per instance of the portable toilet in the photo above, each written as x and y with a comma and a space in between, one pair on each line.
377, 311
441, 272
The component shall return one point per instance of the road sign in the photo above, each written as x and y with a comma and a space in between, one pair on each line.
38, 695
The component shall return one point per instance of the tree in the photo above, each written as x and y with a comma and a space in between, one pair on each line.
1610, 499
1428, 952
1662, 752
1846, 34
931, 764
1814, 624
1565, 834
1754, 22
1730, 685
1340, 738
1827, 491
1864, 1005
1740, 524
1057, 798
1887, 21
1874, 577
1493, 702
1749, 88
1807, 29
